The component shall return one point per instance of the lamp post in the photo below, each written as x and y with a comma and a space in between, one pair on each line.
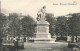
68, 16
0, 6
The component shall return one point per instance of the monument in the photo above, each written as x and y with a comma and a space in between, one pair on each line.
42, 34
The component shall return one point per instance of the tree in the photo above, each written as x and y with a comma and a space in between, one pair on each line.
75, 24
28, 26
61, 26
2, 23
14, 25
52, 21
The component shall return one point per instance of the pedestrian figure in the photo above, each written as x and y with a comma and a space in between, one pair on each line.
16, 45
24, 39
14, 39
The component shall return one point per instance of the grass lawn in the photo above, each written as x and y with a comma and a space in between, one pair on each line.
46, 47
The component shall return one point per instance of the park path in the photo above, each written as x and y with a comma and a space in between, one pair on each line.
58, 46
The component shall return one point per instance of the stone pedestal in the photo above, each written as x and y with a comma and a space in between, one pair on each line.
42, 34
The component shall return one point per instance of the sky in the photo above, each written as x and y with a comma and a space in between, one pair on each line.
31, 7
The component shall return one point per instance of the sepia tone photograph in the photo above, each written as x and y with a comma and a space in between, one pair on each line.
39, 25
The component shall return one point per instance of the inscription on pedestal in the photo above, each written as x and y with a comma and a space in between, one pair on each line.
42, 29
41, 36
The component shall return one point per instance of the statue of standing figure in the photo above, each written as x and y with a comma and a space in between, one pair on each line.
41, 14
